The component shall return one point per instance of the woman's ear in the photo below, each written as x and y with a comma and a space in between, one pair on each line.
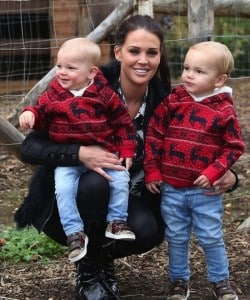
221, 80
92, 73
117, 52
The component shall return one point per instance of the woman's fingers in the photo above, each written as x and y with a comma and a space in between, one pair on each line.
97, 159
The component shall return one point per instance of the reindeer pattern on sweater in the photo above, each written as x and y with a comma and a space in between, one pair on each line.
98, 117
187, 138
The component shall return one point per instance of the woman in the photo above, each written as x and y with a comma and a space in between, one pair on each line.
139, 55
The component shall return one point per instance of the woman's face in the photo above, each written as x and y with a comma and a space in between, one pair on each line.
139, 56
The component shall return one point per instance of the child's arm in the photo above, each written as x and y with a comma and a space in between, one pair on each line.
232, 149
154, 186
203, 182
128, 162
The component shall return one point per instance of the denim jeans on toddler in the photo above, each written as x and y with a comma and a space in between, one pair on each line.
66, 185
185, 210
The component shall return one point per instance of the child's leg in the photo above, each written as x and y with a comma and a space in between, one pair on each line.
207, 212
66, 183
119, 193
117, 227
177, 217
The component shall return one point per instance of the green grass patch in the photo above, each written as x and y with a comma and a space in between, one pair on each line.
28, 245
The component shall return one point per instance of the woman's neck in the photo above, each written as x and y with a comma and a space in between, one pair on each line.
133, 93
133, 97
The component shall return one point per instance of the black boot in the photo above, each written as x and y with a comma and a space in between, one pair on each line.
108, 274
90, 284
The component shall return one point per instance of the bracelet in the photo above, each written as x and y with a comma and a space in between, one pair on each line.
236, 184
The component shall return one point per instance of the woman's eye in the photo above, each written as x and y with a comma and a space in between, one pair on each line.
152, 53
134, 51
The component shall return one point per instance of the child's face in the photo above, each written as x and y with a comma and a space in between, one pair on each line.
72, 71
200, 75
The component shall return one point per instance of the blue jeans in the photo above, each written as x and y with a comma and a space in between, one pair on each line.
185, 210
66, 185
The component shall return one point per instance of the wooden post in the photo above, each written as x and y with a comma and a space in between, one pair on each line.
97, 35
10, 137
65, 17
200, 20
145, 7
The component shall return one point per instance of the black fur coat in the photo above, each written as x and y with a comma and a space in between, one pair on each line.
38, 204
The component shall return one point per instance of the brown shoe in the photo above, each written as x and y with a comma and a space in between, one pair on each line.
178, 290
77, 243
119, 230
223, 291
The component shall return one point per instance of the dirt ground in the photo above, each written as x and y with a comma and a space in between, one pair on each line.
139, 276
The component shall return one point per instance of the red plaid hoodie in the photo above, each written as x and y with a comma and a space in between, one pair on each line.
186, 138
98, 117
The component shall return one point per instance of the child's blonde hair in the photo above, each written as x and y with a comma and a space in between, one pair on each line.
223, 57
86, 48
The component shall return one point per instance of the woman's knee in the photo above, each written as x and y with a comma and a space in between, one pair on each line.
148, 226
93, 196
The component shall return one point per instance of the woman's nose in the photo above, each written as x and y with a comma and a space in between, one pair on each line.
143, 58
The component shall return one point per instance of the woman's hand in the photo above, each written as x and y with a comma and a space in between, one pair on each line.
96, 158
223, 184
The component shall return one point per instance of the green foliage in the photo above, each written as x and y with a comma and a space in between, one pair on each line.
27, 245
233, 32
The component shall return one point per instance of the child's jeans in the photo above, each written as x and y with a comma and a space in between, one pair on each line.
185, 210
66, 185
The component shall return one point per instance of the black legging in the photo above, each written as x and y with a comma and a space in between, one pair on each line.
93, 196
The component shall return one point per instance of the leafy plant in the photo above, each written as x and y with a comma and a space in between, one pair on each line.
234, 32
27, 245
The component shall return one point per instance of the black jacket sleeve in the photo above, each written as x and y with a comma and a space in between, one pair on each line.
38, 149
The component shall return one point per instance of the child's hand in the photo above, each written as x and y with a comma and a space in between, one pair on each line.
128, 161
203, 182
154, 187
27, 120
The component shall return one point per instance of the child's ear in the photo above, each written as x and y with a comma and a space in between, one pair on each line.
221, 80
92, 73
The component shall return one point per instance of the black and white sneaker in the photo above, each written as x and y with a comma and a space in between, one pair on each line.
179, 290
223, 291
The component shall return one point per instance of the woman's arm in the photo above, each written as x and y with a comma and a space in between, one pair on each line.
38, 149
227, 183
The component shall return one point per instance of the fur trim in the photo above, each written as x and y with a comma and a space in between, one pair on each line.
37, 205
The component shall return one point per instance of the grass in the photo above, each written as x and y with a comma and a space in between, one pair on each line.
27, 245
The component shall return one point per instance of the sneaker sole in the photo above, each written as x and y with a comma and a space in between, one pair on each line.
220, 298
82, 254
127, 237
178, 297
